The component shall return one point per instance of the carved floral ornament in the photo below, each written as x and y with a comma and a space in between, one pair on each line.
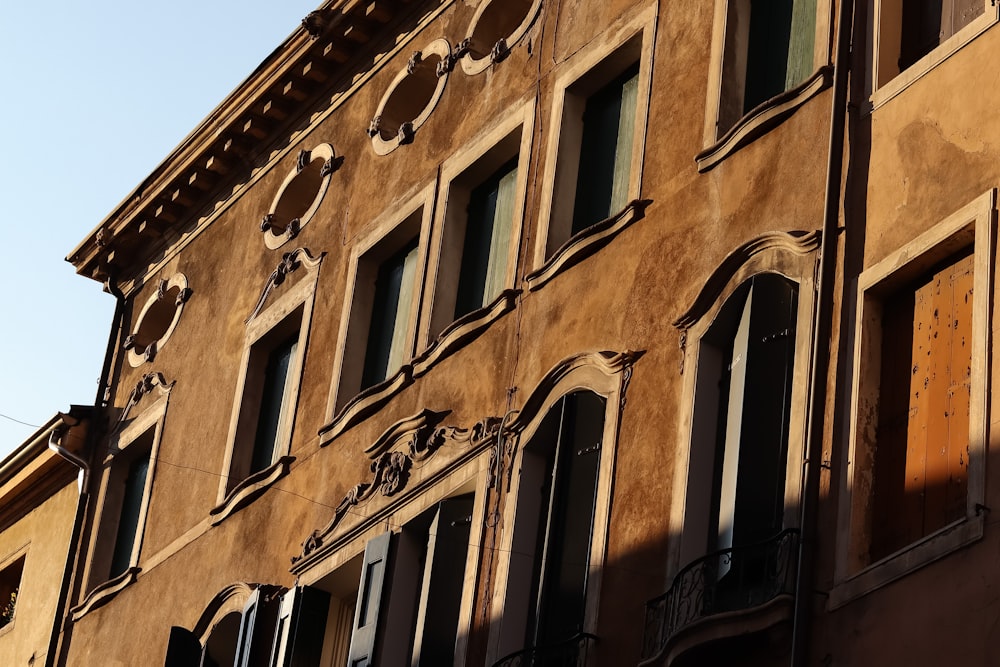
290, 262
415, 440
145, 386
157, 320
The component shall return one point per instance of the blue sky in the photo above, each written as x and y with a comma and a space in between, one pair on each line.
95, 95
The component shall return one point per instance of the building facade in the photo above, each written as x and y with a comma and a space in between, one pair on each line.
510, 332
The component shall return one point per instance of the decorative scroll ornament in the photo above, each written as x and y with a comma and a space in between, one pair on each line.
314, 22
447, 64
406, 133
500, 51
391, 468
303, 160
330, 166
143, 387
267, 222
290, 261
374, 126
414, 62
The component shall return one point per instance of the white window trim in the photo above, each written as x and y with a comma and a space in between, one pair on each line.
342, 410
95, 571
590, 378
880, 94
821, 56
638, 25
799, 270
302, 294
519, 120
973, 224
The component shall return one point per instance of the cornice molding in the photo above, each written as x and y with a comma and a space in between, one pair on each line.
795, 242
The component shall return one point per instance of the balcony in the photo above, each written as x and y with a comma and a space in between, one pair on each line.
569, 653
730, 592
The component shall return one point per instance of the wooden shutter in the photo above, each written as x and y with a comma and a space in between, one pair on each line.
487, 240
921, 459
599, 150
752, 453
801, 42
442, 582
367, 611
300, 628
622, 173
388, 333
183, 648
260, 614
496, 270
569, 530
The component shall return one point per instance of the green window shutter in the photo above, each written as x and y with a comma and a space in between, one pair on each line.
274, 403
600, 150
801, 42
389, 326
367, 611
487, 238
496, 271
623, 149
128, 522
299, 627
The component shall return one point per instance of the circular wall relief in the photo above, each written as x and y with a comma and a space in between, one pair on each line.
411, 97
496, 27
299, 196
157, 320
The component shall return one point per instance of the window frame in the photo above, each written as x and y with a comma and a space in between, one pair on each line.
972, 225
459, 176
19, 555
348, 402
790, 257
99, 586
258, 343
885, 79
610, 385
720, 142
628, 42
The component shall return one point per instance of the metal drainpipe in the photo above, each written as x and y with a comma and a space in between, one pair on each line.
819, 370
57, 647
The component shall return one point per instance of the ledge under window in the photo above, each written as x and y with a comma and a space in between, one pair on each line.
104, 593
366, 403
587, 242
250, 489
763, 117
463, 330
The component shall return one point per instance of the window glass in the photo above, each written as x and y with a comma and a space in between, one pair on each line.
389, 327
134, 486
274, 403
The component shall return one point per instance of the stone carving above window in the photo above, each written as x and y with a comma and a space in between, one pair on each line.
300, 195
411, 97
157, 320
495, 28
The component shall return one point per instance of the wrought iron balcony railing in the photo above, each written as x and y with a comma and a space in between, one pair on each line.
569, 653
740, 578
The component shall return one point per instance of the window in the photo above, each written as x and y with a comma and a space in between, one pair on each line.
157, 320
266, 411
474, 251
240, 634
739, 501
378, 325
550, 571
425, 563
10, 587
913, 37
918, 411
267, 388
596, 146
769, 48
125, 497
